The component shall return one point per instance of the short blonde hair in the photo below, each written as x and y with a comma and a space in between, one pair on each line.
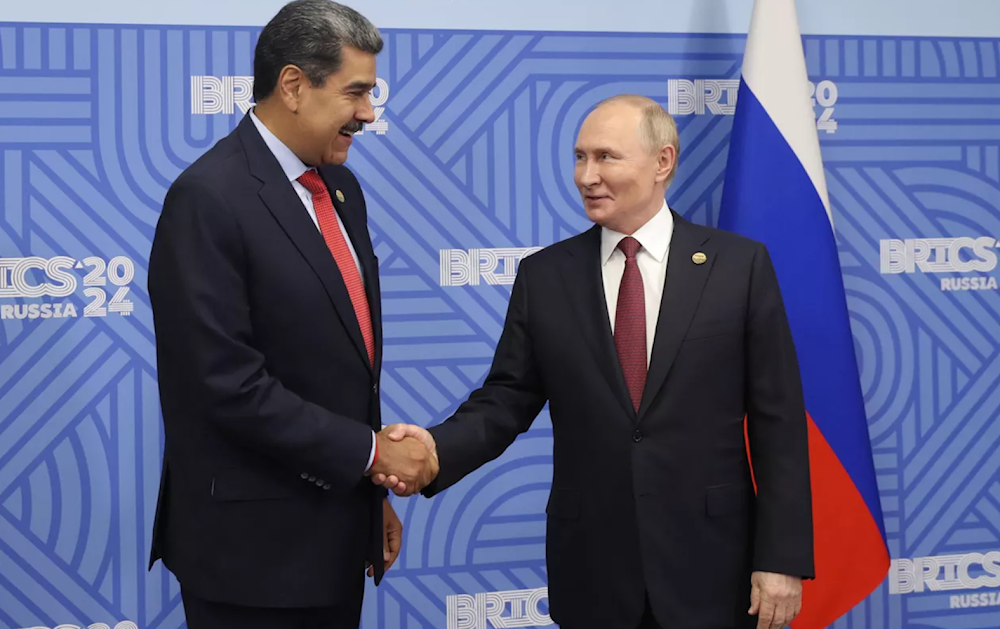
657, 127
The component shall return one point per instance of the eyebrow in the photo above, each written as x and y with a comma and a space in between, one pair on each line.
598, 149
360, 85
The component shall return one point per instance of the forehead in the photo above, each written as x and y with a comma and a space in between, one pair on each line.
356, 67
610, 126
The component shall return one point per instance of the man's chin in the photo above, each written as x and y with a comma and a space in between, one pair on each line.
336, 157
596, 212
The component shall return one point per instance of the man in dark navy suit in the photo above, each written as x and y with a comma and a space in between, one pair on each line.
651, 338
265, 295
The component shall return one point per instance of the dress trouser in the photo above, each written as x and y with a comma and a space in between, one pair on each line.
202, 614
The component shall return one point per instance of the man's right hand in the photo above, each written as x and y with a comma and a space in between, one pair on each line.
402, 433
409, 462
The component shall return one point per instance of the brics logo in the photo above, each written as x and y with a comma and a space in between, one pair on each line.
57, 278
971, 571
221, 94
718, 97
498, 610
942, 255
945, 572
229, 94
473, 267
694, 97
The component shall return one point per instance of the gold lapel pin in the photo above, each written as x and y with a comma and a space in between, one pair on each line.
340, 196
699, 258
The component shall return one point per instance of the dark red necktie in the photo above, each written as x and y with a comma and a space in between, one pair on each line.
326, 216
630, 323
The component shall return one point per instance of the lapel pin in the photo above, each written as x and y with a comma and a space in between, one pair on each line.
340, 196
699, 258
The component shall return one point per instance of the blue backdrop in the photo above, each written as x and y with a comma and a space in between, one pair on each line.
468, 169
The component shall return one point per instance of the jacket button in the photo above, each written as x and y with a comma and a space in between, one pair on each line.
327, 486
305, 475
375, 388
312, 479
637, 436
320, 482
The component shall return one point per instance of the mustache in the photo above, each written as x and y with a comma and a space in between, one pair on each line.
352, 127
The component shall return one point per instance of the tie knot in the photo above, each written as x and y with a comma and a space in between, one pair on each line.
629, 246
313, 182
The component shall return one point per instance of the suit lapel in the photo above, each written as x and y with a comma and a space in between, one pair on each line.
286, 207
374, 294
682, 291
581, 270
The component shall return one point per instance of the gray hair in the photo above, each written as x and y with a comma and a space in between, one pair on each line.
311, 35
657, 127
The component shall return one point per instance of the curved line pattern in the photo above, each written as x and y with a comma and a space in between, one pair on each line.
134, 119
931, 61
971, 58
69, 499
553, 184
887, 393
448, 523
54, 502
500, 501
40, 488
86, 512
113, 165
149, 84
98, 500
951, 59
954, 180
869, 361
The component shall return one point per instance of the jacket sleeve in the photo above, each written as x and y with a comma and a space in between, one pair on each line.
504, 407
777, 431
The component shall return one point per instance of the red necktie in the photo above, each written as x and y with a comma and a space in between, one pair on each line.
630, 323
335, 241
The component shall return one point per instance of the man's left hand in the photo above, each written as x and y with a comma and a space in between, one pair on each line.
776, 598
392, 536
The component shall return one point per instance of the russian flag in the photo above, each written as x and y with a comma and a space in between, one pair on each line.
775, 193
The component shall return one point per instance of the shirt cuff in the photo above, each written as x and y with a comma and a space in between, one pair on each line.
371, 455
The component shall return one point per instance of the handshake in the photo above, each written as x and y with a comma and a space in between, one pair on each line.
407, 459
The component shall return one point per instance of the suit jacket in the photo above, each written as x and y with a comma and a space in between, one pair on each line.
659, 501
268, 397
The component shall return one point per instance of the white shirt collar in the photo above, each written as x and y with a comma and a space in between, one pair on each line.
289, 161
654, 236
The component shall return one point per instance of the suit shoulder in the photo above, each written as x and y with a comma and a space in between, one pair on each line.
571, 244
224, 163
547, 256
730, 240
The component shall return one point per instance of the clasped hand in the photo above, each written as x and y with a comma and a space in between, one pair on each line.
407, 459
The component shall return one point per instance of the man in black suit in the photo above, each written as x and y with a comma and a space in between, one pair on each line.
651, 338
265, 295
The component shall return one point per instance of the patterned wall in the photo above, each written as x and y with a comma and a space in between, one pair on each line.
473, 151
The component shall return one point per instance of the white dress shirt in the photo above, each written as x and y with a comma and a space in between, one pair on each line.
654, 237
294, 168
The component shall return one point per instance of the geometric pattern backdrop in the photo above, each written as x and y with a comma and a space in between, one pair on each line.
473, 150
